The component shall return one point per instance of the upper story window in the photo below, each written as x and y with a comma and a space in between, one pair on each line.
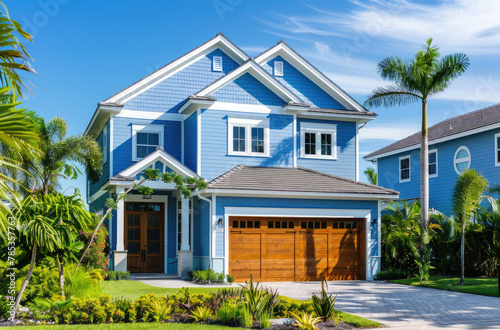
462, 159
105, 144
217, 63
433, 163
497, 149
318, 140
404, 169
248, 136
145, 140
278, 68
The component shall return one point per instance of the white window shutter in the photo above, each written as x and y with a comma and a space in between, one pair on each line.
217, 63
278, 68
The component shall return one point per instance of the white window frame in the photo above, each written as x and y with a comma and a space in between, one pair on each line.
409, 169
145, 128
248, 123
278, 68
217, 63
178, 229
437, 164
469, 158
105, 144
318, 129
497, 147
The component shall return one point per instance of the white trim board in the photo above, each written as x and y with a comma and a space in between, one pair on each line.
296, 212
153, 115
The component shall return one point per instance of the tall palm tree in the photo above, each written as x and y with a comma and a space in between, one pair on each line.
371, 175
416, 80
467, 194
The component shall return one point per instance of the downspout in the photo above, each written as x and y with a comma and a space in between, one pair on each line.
210, 228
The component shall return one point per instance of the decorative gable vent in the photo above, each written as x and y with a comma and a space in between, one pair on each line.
278, 68
217, 63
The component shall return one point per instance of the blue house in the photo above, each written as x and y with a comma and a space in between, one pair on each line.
277, 142
471, 140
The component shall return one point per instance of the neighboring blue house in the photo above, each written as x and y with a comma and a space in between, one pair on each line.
278, 143
471, 140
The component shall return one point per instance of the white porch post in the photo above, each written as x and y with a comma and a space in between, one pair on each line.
120, 254
185, 255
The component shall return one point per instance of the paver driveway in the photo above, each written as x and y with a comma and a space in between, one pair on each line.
394, 305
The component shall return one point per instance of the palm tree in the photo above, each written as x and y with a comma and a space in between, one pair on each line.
371, 175
416, 80
467, 194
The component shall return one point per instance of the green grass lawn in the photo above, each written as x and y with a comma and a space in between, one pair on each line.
120, 326
487, 286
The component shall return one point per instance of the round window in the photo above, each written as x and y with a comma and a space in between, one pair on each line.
462, 159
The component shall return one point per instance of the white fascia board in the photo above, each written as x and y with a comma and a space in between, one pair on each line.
436, 141
295, 109
101, 115
158, 155
218, 42
335, 116
308, 195
153, 115
192, 105
311, 72
295, 212
257, 72
97, 195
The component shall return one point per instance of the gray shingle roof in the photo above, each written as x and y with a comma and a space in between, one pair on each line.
298, 179
459, 124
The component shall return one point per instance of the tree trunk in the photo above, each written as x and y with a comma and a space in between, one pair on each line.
60, 266
27, 279
424, 179
462, 257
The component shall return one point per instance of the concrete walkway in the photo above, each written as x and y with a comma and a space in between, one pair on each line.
394, 305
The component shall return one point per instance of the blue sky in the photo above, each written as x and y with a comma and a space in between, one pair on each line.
85, 51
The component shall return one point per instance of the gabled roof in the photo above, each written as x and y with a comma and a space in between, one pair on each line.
219, 41
292, 180
159, 154
463, 125
306, 68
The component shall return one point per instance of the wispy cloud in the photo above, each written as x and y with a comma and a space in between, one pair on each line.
253, 50
387, 133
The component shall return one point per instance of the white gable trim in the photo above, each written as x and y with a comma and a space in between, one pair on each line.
310, 72
175, 66
151, 159
260, 74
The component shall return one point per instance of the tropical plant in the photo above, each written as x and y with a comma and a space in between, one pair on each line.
306, 321
371, 175
245, 317
202, 313
161, 311
417, 80
256, 300
265, 321
324, 305
423, 258
467, 193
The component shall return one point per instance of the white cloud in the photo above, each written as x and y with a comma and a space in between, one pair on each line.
387, 133
254, 50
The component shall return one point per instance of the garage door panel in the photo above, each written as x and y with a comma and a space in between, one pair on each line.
245, 258
279, 255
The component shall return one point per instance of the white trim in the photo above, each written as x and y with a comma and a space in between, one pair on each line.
105, 148
198, 141
295, 212
368, 246
217, 63
436, 141
357, 153
191, 220
97, 195
120, 225
257, 72
101, 116
293, 194
318, 129
111, 144
146, 128
213, 233
379, 233
294, 136
311, 72
182, 142
461, 160
278, 68
153, 115
237, 107
437, 164
400, 169
248, 123
156, 77
497, 147
337, 116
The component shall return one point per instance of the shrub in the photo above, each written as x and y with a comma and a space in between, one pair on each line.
97, 255
287, 306
44, 282
264, 321
146, 305
202, 313
306, 321
123, 275
230, 279
82, 284
122, 304
111, 275
228, 313
245, 318
208, 276
391, 274
221, 278
324, 305
161, 311
119, 316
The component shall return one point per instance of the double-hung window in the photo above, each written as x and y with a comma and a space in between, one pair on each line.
318, 140
433, 163
248, 136
404, 169
145, 140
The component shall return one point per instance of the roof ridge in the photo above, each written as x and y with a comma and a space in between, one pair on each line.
224, 175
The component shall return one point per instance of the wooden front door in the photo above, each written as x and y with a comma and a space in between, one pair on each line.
144, 237
296, 249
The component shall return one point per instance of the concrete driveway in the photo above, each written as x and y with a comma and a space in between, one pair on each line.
393, 305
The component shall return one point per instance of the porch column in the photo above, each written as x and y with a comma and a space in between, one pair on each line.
120, 254
185, 255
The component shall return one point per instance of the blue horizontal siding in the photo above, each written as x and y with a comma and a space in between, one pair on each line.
191, 141
344, 165
481, 147
201, 231
105, 166
302, 86
171, 93
214, 143
122, 140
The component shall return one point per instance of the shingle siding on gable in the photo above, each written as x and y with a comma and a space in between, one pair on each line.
170, 94
122, 140
191, 142
246, 89
105, 167
481, 147
302, 86
346, 150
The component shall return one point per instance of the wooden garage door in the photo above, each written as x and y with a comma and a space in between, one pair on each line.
296, 249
